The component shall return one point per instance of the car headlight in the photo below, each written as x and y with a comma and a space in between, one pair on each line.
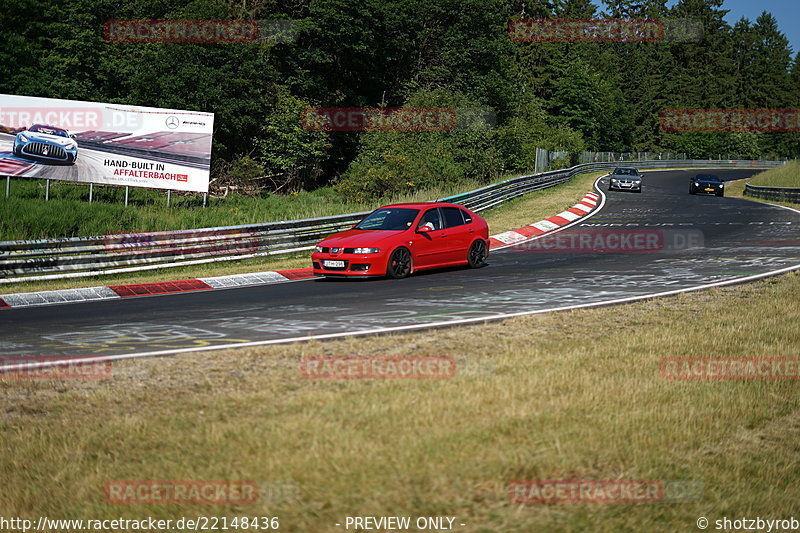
318, 248
613, 180
696, 184
721, 185
69, 146
23, 138
366, 250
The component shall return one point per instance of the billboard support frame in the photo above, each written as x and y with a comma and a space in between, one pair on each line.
91, 191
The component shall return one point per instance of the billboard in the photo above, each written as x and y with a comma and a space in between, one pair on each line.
110, 144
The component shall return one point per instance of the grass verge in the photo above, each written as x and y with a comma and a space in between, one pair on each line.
787, 175
525, 210
557, 396
735, 189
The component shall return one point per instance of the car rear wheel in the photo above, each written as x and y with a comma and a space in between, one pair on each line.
477, 254
399, 264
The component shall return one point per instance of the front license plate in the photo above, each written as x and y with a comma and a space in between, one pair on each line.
333, 264
709, 190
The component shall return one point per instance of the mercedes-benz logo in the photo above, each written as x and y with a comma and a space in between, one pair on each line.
173, 122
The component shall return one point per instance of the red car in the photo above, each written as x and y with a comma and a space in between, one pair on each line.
398, 240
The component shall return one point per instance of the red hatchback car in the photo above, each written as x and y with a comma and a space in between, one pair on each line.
397, 240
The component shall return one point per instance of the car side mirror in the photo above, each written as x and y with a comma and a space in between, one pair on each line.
425, 228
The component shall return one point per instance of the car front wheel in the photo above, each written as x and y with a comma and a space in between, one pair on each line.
399, 264
477, 254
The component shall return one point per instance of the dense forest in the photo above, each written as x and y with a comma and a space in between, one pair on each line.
443, 53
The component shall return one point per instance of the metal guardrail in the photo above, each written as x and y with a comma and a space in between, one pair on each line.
783, 194
30, 260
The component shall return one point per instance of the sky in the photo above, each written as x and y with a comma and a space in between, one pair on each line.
787, 12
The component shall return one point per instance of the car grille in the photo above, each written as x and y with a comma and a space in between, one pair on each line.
39, 149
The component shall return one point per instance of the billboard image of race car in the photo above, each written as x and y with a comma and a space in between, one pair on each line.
46, 143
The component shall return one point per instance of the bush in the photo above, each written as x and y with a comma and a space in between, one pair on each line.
530, 128
394, 162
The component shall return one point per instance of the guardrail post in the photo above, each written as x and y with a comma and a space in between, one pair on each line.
126, 196
47, 191
8, 186
91, 192
205, 198
168, 196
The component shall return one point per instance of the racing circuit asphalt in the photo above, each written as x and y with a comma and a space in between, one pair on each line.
731, 238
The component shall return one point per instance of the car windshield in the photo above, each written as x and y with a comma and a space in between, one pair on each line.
626, 172
48, 130
707, 177
394, 218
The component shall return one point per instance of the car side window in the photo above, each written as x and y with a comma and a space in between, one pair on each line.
452, 217
432, 216
467, 217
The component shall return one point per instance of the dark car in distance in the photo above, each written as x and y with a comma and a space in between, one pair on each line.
706, 184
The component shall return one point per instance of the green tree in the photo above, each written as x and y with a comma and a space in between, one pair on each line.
389, 162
